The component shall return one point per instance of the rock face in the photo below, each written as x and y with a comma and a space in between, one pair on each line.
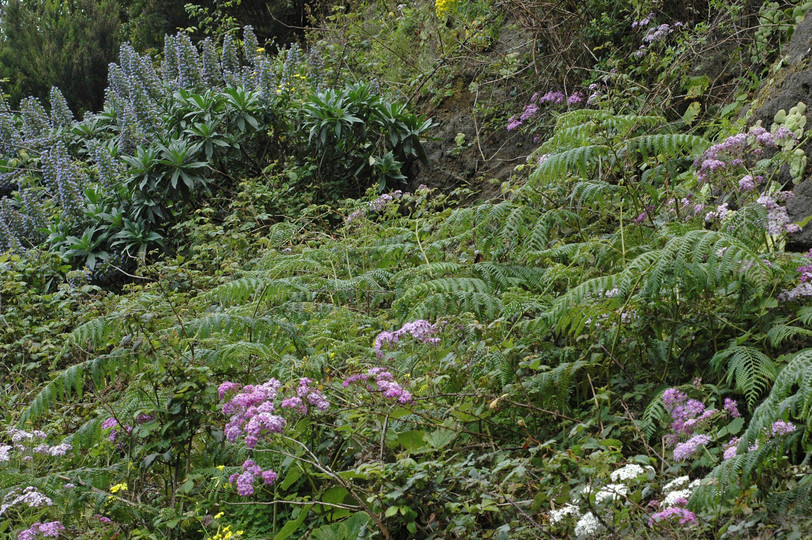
788, 86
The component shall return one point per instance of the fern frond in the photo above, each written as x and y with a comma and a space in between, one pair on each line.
564, 163
71, 381
667, 144
750, 369
780, 333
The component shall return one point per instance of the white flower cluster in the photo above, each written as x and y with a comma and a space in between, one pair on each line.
567, 510
587, 524
629, 472
675, 496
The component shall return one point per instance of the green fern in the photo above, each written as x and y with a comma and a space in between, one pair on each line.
751, 370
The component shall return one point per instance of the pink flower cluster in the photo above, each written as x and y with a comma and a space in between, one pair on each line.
49, 528
686, 517
421, 330
385, 383
306, 394
251, 411
250, 472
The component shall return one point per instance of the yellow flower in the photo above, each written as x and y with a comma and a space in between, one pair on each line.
119, 487
219, 515
221, 467
260, 49
443, 7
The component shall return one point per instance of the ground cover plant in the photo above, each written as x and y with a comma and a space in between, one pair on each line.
229, 309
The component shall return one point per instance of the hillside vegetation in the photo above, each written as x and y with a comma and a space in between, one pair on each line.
435, 270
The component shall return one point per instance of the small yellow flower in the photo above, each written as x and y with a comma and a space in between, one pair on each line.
119, 487
260, 49
219, 515
221, 467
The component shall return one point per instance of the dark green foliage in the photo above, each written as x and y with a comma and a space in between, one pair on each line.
49, 43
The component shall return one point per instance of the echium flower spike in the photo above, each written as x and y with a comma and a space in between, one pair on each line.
250, 45
169, 66
230, 62
36, 122
109, 168
61, 115
266, 79
10, 138
189, 66
8, 241
212, 73
69, 184
316, 64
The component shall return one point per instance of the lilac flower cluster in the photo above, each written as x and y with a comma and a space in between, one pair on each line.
732, 408
421, 330
251, 472
729, 449
686, 517
686, 414
49, 528
781, 427
687, 449
804, 289
21, 440
385, 383
112, 423
654, 34
778, 221
719, 214
305, 394
645, 21
552, 97
30, 497
385, 198
251, 411
375, 206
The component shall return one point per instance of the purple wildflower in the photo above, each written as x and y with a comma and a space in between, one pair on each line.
269, 477
784, 133
227, 387
782, 428
686, 517
730, 448
575, 98
673, 397
687, 449
732, 408
245, 484
529, 111
747, 183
